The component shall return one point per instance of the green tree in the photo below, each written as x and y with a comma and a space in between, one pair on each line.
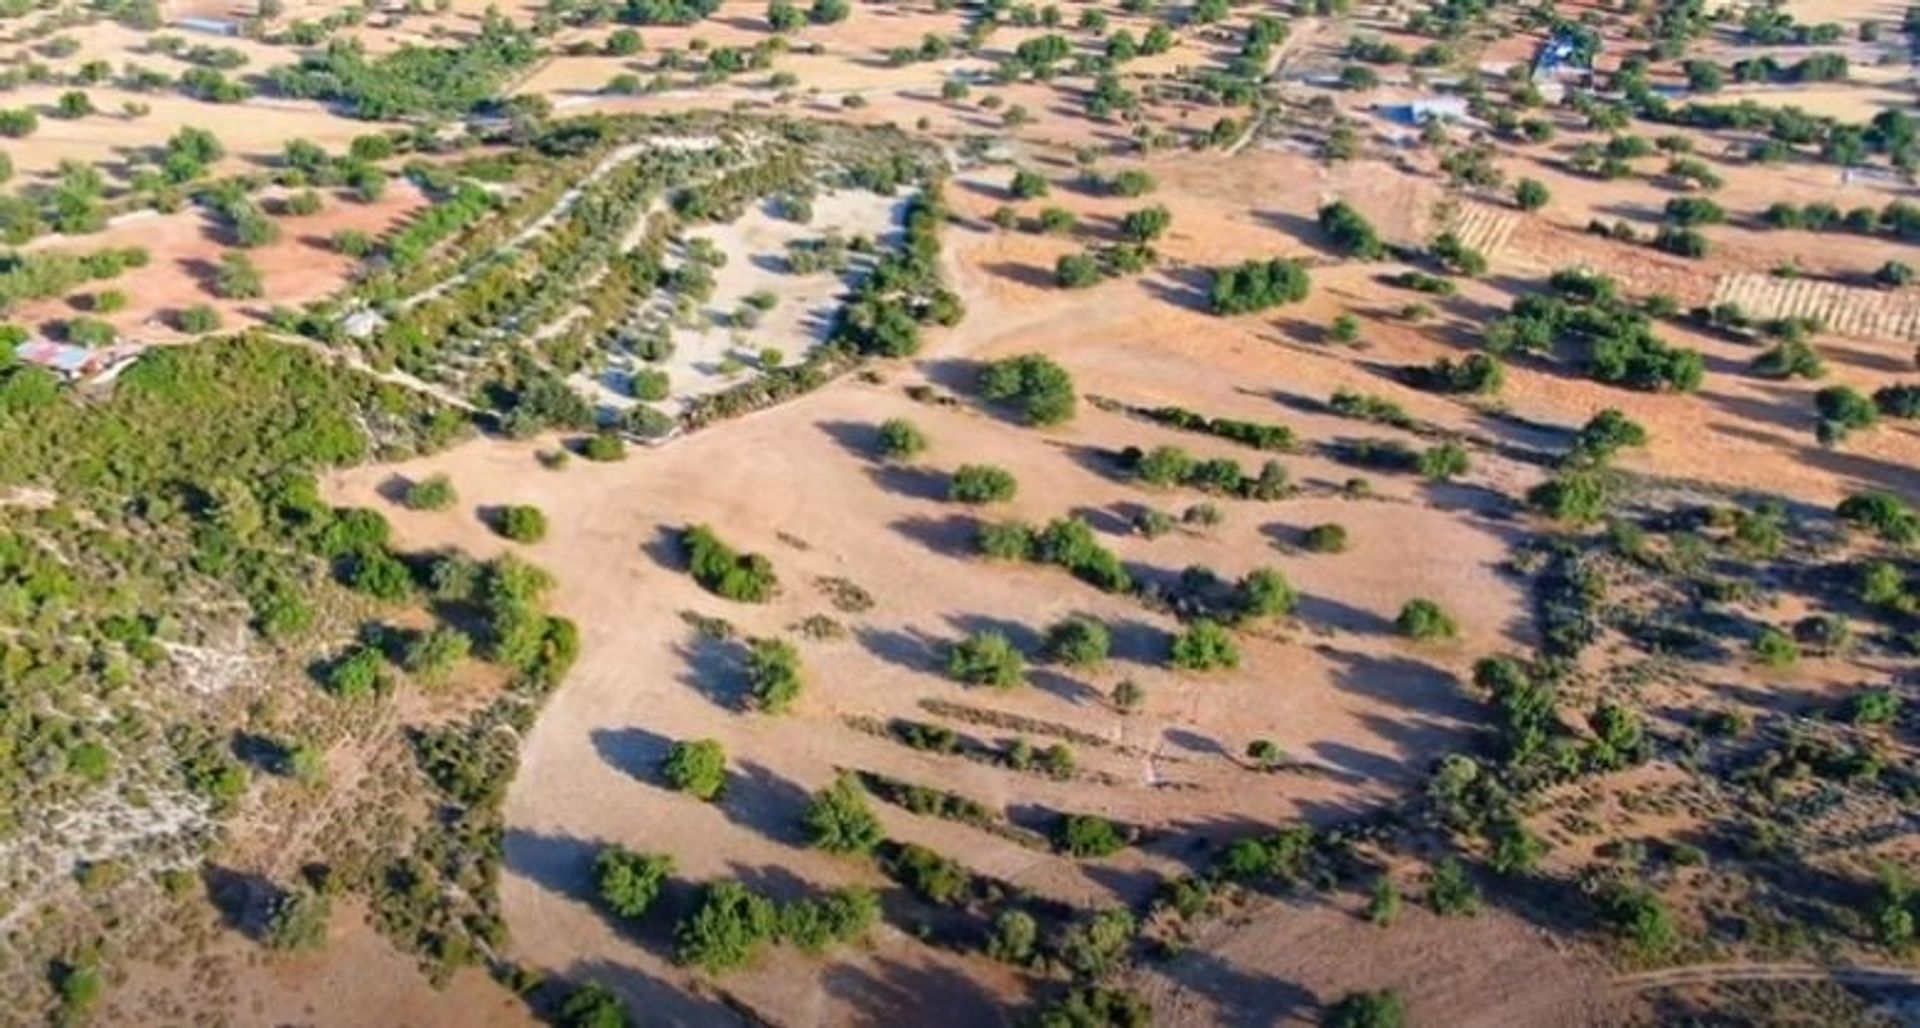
1040, 388
1382, 1009
1078, 642
1088, 836
1531, 194
986, 658
838, 819
901, 439
1423, 620
629, 882
773, 675
523, 524
698, 768
1205, 646
980, 484
432, 493
594, 1006
727, 929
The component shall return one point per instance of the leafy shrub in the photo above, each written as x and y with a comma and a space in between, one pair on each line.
1325, 538
1350, 232
1882, 513
1842, 411
1041, 389
1084, 835
773, 675
727, 930
604, 448
986, 658
1450, 893
981, 484
743, 577
838, 820
1577, 497
1257, 286
523, 524
1078, 642
1205, 646
697, 768
1382, 1009
594, 1006
1265, 592
901, 439
1422, 620
1445, 461
629, 882
434, 493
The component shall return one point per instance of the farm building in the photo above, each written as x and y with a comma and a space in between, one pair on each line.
77, 363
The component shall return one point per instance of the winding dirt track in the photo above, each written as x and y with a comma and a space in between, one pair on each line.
1711, 974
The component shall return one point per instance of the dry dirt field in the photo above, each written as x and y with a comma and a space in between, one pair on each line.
879, 570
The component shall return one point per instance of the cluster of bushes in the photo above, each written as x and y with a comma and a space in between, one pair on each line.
37, 276
745, 577
986, 658
1899, 218
1477, 374
1067, 542
1617, 342
981, 484
884, 315
1350, 232
1041, 390
732, 924
413, 81
1260, 436
1171, 465
773, 675
1256, 286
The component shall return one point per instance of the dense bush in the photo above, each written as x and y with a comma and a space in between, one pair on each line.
1325, 538
747, 578
773, 675
697, 768
523, 524
838, 820
1078, 642
629, 882
1381, 1009
433, 493
1882, 513
986, 658
1205, 646
1423, 620
901, 439
1039, 388
413, 80
1085, 835
1350, 232
981, 484
1578, 497
727, 930
1257, 286
1842, 411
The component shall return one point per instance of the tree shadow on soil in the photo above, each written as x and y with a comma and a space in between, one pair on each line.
716, 668
914, 483
635, 752
244, 899
950, 535
928, 996
758, 799
658, 1002
910, 649
1240, 997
